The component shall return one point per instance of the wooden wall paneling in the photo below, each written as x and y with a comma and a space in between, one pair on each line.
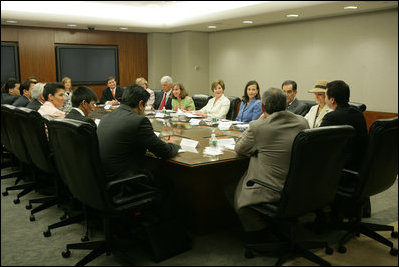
372, 116
65, 36
9, 34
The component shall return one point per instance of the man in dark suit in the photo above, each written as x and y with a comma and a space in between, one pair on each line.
112, 94
124, 136
25, 91
37, 97
10, 92
83, 100
163, 99
337, 98
290, 89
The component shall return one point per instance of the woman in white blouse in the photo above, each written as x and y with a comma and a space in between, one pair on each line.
218, 106
317, 112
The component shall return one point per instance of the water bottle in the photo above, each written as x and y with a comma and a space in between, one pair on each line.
213, 142
164, 110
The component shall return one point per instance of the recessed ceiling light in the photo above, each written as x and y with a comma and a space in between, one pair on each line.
123, 28
71, 25
247, 22
11, 21
211, 27
292, 15
350, 7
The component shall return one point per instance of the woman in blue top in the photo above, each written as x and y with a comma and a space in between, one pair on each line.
250, 108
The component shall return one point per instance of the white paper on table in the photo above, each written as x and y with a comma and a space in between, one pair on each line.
107, 106
159, 115
188, 143
190, 115
231, 147
97, 121
195, 122
213, 151
242, 126
224, 125
156, 133
236, 122
226, 142
188, 149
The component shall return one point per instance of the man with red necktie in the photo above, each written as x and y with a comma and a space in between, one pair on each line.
162, 99
112, 94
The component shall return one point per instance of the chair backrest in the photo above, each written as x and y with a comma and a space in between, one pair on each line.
315, 170
200, 100
14, 132
360, 106
34, 135
76, 157
380, 166
308, 103
5, 141
232, 113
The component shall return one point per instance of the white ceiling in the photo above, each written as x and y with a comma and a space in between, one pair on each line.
174, 16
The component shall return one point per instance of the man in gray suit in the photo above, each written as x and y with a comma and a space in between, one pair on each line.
293, 104
268, 143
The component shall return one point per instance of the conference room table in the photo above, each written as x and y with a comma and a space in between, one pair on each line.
200, 180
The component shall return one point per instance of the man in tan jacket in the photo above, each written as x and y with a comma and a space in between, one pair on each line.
268, 142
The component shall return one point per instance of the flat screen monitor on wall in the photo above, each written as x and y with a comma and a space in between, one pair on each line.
9, 61
86, 64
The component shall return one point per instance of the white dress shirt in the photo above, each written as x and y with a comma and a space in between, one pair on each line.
219, 109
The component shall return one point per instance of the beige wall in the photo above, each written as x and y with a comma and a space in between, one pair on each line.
359, 49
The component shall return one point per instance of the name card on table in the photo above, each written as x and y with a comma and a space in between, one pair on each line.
159, 115
188, 143
224, 125
195, 122
228, 143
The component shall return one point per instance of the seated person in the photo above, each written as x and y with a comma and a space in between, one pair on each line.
83, 100
268, 142
290, 89
250, 107
317, 112
163, 98
67, 82
10, 91
54, 95
218, 106
180, 99
37, 97
112, 94
143, 83
25, 91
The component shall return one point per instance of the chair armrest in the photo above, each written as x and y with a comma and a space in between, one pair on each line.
349, 172
136, 179
348, 184
256, 181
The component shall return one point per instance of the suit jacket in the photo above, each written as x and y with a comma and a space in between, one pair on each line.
158, 100
268, 142
34, 104
22, 101
124, 137
251, 112
311, 115
76, 115
107, 95
348, 115
8, 99
298, 107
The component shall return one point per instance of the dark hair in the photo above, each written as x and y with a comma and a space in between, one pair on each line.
183, 92
10, 84
288, 82
274, 100
25, 86
110, 78
52, 88
133, 94
245, 97
82, 93
339, 90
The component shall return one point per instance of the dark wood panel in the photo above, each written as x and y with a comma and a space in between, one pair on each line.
372, 116
37, 51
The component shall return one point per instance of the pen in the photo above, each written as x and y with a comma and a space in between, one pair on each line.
169, 138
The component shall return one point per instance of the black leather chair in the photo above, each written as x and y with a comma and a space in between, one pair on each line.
308, 103
71, 139
310, 185
360, 106
200, 100
233, 110
378, 173
17, 147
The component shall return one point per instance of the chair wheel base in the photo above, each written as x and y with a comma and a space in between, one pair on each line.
5, 193
28, 207
329, 251
32, 218
394, 234
393, 252
85, 239
16, 201
248, 254
47, 233
342, 249
66, 253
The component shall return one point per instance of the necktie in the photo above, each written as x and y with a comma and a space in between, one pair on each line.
113, 93
163, 102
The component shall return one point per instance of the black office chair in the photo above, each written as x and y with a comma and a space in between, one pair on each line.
378, 173
311, 185
17, 147
309, 103
200, 100
360, 106
76, 156
233, 111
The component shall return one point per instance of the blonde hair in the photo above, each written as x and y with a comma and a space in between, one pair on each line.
64, 80
141, 80
216, 83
